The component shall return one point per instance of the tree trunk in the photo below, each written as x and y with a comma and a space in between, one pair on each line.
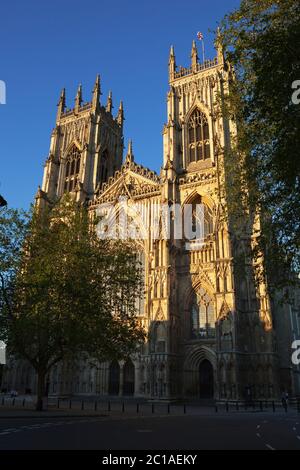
41, 375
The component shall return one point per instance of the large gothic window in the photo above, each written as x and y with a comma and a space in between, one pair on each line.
198, 137
202, 314
72, 169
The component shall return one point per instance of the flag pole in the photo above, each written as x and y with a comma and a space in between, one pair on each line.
200, 36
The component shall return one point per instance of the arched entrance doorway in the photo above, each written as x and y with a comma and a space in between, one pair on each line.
128, 384
206, 379
114, 378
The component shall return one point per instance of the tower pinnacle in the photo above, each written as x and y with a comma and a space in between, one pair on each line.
219, 47
172, 63
120, 116
96, 92
61, 104
194, 55
129, 156
78, 98
109, 105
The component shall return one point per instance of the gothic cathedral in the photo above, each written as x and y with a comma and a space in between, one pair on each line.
211, 327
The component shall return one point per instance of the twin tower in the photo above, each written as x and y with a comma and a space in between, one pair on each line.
86, 147
87, 142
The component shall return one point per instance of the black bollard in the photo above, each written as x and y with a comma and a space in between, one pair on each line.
123, 407
137, 408
184, 409
153, 408
96, 406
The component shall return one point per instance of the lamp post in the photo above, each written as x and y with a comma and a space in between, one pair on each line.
2, 201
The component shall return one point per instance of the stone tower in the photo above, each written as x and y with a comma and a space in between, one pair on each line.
86, 147
221, 337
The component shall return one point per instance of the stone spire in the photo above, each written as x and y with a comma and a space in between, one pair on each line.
96, 93
120, 116
172, 63
40, 199
109, 105
169, 164
78, 98
61, 104
129, 156
194, 55
219, 47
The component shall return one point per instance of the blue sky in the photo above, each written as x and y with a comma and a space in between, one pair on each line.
60, 43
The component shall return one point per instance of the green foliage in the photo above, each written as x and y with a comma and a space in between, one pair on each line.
68, 293
14, 227
261, 41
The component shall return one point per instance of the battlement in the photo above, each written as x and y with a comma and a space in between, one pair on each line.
197, 66
185, 71
91, 106
69, 112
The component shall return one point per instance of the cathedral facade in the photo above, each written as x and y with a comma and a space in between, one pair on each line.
212, 328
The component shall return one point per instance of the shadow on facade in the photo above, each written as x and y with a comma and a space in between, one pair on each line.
247, 359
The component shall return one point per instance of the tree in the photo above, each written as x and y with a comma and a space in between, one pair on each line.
260, 42
13, 224
72, 294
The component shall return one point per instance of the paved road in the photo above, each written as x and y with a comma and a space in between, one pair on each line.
239, 431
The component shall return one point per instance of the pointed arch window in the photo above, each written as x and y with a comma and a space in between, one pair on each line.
202, 315
202, 218
198, 222
158, 337
102, 170
198, 137
72, 169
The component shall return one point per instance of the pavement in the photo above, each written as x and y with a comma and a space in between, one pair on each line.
132, 425
206, 431
89, 406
